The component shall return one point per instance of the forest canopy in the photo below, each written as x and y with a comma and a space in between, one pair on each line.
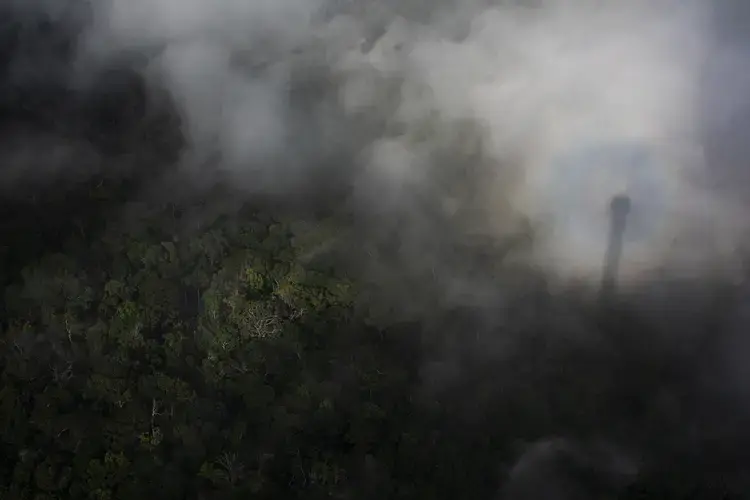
246, 356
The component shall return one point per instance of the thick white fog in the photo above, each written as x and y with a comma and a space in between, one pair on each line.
536, 86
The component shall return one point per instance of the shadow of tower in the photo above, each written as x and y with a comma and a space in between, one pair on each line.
619, 209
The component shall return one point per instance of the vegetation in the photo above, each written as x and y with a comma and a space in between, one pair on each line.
144, 357
149, 361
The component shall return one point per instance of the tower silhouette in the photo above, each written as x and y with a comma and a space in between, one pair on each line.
619, 208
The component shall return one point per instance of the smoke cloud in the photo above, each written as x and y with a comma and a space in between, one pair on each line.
546, 96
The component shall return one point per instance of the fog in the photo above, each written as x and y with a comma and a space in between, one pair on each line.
441, 124
548, 96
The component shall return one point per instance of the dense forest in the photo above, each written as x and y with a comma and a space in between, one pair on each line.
145, 355
164, 339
